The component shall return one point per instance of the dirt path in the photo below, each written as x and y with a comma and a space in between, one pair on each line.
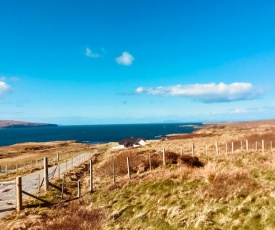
30, 183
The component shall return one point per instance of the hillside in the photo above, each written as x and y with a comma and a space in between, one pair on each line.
23, 124
232, 188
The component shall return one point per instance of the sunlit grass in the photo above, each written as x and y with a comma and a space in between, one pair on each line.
228, 191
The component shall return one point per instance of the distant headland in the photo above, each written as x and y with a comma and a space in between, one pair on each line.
4, 124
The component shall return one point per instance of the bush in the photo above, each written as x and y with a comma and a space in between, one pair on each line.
171, 157
155, 162
190, 161
120, 162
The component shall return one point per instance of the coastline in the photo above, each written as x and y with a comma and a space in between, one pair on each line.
11, 124
225, 132
233, 177
92, 134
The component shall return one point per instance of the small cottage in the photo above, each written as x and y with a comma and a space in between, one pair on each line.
131, 142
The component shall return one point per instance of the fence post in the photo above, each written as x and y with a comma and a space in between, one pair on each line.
78, 189
232, 147
18, 193
62, 187
217, 149
256, 145
246, 144
181, 151
57, 157
128, 167
163, 156
262, 146
66, 165
6, 168
46, 174
91, 175
192, 149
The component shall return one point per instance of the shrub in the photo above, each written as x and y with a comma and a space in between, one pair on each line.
155, 162
171, 157
190, 161
120, 162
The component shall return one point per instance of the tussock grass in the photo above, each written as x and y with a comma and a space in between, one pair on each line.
225, 191
74, 217
221, 195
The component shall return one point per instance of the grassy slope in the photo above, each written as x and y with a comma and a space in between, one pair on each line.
233, 191
230, 193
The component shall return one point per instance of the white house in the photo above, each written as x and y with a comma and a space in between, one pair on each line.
131, 142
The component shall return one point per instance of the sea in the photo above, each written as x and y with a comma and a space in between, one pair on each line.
93, 134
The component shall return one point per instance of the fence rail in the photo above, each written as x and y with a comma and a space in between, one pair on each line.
16, 166
31, 183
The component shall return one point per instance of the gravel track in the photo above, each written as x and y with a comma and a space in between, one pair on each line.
30, 182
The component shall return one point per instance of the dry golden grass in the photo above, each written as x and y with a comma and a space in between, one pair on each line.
22, 159
230, 190
33, 151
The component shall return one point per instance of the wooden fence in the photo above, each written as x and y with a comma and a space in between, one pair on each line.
216, 149
28, 164
23, 187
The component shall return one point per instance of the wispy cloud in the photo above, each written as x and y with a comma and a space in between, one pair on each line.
207, 93
4, 88
90, 53
125, 59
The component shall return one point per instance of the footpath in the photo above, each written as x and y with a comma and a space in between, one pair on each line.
32, 182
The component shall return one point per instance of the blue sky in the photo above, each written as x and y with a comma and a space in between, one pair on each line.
96, 62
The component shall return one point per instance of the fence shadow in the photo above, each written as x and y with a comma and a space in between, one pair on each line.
6, 210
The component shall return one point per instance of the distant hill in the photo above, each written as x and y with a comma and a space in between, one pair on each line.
23, 124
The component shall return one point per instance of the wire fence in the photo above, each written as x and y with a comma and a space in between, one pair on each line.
32, 182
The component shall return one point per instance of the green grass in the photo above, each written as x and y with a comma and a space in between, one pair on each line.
236, 191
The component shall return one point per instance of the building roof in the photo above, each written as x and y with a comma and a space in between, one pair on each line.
130, 141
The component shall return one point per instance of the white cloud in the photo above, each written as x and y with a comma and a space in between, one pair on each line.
125, 59
89, 53
207, 93
4, 88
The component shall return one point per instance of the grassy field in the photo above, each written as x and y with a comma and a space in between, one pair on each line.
22, 159
205, 191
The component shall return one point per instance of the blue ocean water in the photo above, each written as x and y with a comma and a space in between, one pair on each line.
92, 134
